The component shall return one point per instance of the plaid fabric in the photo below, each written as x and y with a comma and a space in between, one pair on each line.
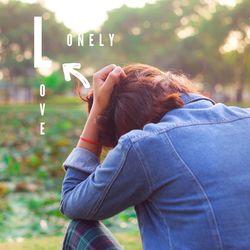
89, 235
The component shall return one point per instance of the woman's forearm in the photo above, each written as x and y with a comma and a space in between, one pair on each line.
90, 132
103, 83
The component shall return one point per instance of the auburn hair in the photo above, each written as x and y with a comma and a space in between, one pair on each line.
142, 97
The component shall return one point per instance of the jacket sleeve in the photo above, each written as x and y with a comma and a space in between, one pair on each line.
95, 191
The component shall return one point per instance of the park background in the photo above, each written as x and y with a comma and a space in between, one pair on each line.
206, 39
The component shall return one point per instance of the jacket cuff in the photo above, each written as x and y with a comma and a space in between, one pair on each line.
81, 159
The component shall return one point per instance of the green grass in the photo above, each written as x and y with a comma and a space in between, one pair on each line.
130, 241
35, 107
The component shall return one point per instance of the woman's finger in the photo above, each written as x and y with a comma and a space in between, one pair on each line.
114, 77
123, 74
104, 72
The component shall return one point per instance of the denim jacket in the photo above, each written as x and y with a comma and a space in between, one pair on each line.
188, 177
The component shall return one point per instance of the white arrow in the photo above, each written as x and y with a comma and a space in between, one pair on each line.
69, 68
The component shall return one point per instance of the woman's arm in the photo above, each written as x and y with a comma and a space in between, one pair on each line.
103, 83
92, 190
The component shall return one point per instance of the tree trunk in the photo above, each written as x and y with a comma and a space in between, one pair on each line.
239, 93
240, 83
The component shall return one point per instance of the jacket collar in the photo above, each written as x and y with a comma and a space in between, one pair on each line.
189, 98
194, 97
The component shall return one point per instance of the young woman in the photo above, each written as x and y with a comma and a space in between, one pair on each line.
180, 159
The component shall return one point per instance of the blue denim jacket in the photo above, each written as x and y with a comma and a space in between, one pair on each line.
187, 176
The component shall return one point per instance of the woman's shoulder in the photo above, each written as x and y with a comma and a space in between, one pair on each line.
137, 135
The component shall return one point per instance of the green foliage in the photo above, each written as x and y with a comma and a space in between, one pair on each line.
55, 82
31, 172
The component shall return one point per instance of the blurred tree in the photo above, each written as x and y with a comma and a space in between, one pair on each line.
239, 56
192, 36
16, 41
223, 44
183, 35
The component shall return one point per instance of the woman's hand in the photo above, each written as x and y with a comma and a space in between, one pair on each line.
103, 83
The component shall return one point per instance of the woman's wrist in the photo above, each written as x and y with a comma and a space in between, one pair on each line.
96, 110
90, 133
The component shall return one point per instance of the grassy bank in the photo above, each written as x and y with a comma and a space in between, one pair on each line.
130, 241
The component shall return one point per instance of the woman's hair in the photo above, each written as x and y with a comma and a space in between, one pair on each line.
144, 96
